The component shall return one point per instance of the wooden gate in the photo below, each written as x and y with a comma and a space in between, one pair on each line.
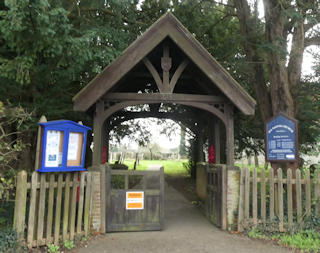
120, 183
216, 195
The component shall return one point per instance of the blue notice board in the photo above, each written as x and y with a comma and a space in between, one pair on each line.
281, 139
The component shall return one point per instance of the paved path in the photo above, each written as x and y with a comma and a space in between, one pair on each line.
186, 230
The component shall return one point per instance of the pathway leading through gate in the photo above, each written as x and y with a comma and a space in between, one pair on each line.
185, 230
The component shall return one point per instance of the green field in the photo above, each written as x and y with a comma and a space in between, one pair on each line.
170, 166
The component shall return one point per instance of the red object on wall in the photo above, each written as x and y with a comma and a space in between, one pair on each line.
104, 155
212, 155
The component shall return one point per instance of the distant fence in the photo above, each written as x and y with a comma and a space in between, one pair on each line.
57, 207
285, 199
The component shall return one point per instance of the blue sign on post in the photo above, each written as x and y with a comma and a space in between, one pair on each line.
281, 139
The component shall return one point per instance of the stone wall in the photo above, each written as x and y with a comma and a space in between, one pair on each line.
233, 186
96, 201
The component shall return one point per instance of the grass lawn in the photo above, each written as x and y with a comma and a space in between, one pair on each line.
171, 167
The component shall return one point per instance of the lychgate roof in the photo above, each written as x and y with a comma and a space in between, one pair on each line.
166, 26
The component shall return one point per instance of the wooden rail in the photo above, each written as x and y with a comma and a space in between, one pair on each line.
266, 198
59, 207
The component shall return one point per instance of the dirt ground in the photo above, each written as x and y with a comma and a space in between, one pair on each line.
186, 230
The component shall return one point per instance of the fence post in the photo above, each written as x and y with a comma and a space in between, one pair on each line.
20, 204
280, 200
298, 196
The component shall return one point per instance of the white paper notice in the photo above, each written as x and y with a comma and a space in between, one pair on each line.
52, 148
73, 146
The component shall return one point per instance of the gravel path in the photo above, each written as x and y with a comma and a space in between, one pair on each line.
186, 230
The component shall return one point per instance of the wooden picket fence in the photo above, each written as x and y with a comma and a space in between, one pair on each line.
52, 207
257, 194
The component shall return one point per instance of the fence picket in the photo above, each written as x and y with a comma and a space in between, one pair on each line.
80, 205
50, 209
308, 194
298, 196
247, 193
42, 202
32, 208
280, 199
87, 204
73, 204
254, 197
66, 208
263, 196
271, 186
58, 210
289, 196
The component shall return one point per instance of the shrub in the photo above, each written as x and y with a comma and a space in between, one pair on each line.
118, 166
9, 241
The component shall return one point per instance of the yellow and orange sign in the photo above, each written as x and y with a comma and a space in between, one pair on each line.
134, 200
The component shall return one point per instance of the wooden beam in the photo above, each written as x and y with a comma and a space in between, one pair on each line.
154, 73
177, 75
163, 97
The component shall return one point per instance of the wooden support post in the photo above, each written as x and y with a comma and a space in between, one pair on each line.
217, 142
20, 204
230, 135
97, 131
38, 148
